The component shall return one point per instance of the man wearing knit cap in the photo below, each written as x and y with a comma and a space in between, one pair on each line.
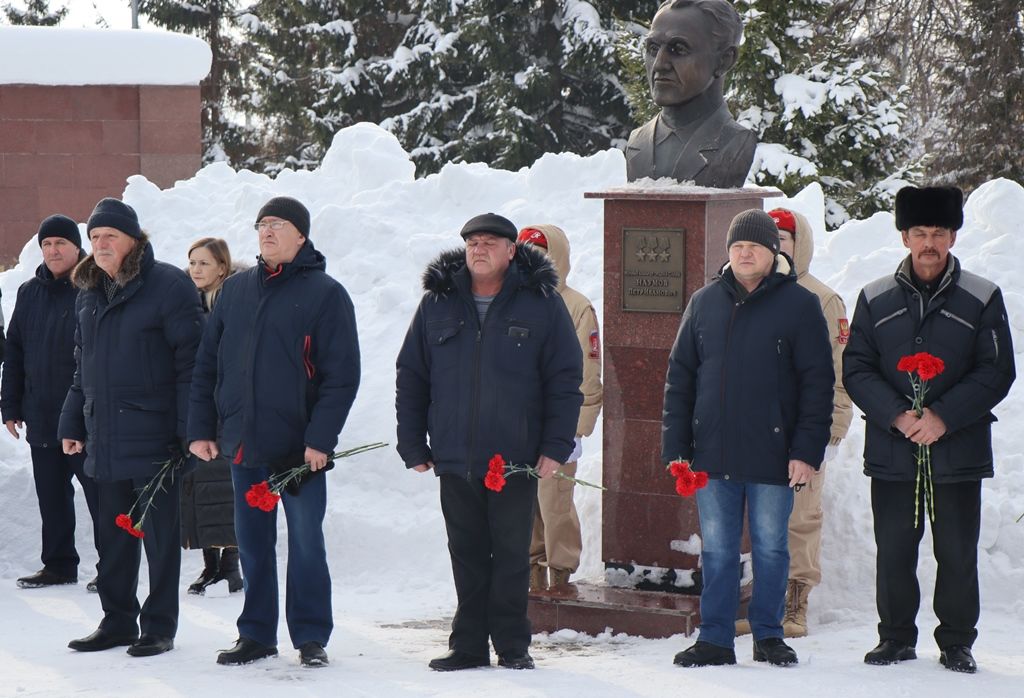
275, 377
796, 239
929, 306
748, 399
41, 354
138, 327
490, 371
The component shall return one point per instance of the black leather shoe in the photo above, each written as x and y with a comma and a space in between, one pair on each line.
101, 640
512, 660
245, 651
45, 578
705, 654
313, 654
92, 587
151, 645
454, 660
890, 652
958, 658
774, 651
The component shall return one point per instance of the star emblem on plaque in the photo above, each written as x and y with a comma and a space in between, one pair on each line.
653, 275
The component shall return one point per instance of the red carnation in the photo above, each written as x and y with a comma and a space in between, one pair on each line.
260, 496
678, 467
701, 479
929, 366
494, 481
124, 521
496, 464
908, 363
685, 488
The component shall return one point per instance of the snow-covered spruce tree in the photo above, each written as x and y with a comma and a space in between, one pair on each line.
299, 45
984, 93
37, 13
225, 91
821, 113
504, 81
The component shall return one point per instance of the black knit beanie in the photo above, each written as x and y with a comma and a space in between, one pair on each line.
490, 223
289, 209
58, 226
754, 226
113, 213
942, 207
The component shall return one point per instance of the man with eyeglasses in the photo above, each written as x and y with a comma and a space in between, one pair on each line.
275, 377
690, 48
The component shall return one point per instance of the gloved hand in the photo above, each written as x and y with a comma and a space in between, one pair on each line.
577, 451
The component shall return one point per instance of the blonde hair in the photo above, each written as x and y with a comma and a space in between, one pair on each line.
217, 248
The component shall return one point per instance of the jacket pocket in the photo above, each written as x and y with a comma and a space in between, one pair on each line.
442, 343
145, 425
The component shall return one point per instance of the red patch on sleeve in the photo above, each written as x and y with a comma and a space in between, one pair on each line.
844, 330
595, 345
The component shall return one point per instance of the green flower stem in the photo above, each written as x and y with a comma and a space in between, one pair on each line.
534, 472
149, 490
280, 481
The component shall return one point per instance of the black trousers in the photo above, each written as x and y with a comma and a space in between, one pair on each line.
121, 554
489, 542
955, 545
53, 471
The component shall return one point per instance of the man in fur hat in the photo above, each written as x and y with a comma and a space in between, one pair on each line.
929, 305
139, 324
490, 365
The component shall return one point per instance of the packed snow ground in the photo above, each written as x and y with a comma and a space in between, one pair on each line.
378, 227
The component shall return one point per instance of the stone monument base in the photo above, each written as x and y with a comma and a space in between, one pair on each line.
595, 608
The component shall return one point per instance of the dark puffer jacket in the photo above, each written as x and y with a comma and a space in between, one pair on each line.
134, 358
510, 386
208, 499
750, 380
278, 366
40, 361
964, 324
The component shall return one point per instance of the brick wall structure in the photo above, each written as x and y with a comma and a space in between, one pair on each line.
64, 147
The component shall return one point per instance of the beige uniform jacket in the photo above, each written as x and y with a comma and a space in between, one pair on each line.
835, 315
585, 320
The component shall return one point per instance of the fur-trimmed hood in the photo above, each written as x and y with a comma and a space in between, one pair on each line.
89, 275
534, 268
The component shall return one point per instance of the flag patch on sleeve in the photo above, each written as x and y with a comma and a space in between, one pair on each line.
844, 330
595, 345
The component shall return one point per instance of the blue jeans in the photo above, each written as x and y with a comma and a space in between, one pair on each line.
720, 506
308, 591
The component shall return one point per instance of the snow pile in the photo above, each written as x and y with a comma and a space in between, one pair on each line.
378, 227
56, 56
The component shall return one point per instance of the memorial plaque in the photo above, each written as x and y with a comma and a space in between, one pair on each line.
653, 269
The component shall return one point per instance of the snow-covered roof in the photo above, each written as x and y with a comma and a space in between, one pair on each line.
58, 56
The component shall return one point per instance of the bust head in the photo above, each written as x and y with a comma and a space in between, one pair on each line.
691, 46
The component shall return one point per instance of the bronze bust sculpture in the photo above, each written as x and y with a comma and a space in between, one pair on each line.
691, 46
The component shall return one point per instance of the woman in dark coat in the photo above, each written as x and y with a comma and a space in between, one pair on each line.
207, 498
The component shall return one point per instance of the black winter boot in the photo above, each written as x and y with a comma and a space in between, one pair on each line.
229, 570
211, 563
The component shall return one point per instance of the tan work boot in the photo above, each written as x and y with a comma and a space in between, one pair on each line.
538, 578
559, 578
742, 627
794, 623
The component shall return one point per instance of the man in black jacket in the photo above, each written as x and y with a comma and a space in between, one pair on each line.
38, 368
275, 377
930, 305
490, 365
139, 323
748, 399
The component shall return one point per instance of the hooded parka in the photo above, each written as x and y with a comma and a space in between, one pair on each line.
510, 386
835, 319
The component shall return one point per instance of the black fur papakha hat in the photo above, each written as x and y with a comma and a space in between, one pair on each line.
938, 206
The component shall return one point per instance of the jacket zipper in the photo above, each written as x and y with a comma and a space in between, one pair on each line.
728, 340
945, 313
892, 316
